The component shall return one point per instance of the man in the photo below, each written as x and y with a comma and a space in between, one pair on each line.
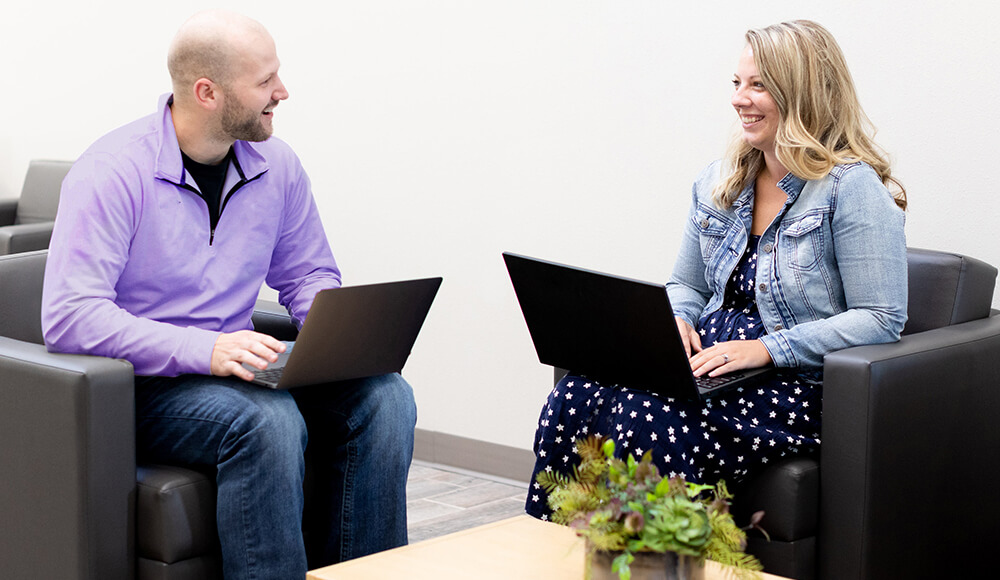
166, 230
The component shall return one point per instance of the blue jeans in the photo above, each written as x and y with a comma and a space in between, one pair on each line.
360, 443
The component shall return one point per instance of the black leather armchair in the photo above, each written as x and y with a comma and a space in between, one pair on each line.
73, 502
26, 223
902, 486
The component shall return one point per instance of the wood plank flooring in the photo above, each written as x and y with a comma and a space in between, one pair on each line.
442, 500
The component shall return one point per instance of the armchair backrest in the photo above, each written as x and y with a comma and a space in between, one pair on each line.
946, 289
40, 192
21, 295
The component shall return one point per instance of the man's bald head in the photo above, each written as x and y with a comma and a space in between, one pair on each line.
210, 45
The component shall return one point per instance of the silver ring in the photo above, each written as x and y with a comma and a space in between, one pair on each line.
725, 358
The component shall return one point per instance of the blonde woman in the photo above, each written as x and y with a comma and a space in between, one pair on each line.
793, 248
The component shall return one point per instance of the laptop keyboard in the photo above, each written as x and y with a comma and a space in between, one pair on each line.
270, 375
707, 383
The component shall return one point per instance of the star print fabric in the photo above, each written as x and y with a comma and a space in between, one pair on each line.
738, 318
729, 436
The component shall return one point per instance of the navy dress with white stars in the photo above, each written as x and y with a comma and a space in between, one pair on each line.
726, 437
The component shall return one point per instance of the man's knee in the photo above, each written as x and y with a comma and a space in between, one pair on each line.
388, 411
394, 401
271, 423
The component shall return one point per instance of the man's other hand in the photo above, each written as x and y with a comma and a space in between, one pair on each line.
245, 346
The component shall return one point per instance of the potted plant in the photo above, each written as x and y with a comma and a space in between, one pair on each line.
625, 510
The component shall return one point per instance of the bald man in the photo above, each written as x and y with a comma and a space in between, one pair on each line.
166, 230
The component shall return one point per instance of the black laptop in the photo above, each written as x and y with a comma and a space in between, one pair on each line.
612, 329
353, 332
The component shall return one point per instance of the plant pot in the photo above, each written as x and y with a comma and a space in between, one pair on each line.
647, 566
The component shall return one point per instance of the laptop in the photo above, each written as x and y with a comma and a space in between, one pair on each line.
612, 329
353, 332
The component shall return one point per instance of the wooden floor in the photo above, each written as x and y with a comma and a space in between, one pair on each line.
442, 500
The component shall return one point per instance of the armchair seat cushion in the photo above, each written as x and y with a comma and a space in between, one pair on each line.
788, 493
175, 521
203, 568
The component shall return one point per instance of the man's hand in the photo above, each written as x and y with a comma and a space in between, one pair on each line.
245, 346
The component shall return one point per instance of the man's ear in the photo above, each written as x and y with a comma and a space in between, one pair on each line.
207, 94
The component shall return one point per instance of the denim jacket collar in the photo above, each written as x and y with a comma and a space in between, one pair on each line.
790, 184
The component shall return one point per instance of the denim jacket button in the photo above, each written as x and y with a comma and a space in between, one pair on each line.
762, 287
704, 224
778, 327
767, 248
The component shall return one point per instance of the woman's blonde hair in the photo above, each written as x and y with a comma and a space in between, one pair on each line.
821, 122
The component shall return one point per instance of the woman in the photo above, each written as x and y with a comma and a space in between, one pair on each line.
793, 248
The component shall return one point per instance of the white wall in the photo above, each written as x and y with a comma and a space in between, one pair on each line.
440, 133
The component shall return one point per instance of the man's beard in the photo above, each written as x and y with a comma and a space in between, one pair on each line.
242, 124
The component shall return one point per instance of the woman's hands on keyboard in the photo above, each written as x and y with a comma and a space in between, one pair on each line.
729, 356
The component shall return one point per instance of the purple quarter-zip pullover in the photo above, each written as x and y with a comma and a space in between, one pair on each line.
136, 272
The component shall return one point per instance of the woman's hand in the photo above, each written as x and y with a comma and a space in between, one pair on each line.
692, 342
730, 356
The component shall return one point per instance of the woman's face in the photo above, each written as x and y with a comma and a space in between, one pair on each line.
757, 110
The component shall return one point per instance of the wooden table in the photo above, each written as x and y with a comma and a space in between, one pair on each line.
520, 547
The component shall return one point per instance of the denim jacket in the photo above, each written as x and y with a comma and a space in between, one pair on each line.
831, 269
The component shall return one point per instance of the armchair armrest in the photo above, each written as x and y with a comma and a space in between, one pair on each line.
25, 237
909, 439
8, 211
67, 447
271, 318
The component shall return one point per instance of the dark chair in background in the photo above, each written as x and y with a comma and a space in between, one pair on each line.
910, 441
26, 222
73, 502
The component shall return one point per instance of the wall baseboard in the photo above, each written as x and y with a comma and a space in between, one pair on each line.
473, 455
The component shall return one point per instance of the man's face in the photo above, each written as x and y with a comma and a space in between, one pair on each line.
250, 99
